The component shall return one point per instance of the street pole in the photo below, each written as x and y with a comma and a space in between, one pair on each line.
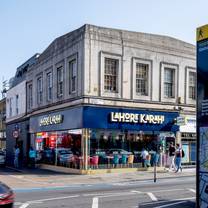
155, 172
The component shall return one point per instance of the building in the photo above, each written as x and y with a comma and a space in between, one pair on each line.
98, 94
17, 124
3, 123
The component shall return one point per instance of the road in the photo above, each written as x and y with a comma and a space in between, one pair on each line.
172, 192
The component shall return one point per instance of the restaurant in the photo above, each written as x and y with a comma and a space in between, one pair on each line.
90, 137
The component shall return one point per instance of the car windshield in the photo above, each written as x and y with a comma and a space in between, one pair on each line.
3, 189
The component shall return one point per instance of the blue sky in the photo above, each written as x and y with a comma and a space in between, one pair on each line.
29, 26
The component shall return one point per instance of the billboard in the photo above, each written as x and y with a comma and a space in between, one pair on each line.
202, 116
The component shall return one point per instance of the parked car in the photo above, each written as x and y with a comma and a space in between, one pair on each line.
119, 151
2, 158
6, 196
64, 155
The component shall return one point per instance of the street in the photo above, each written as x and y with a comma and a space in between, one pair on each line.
166, 192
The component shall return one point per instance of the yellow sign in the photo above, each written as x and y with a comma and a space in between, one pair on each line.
202, 33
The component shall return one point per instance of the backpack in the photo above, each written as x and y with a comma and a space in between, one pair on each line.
183, 153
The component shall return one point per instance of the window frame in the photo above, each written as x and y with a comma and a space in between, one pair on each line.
60, 90
39, 90
72, 75
49, 86
170, 83
192, 88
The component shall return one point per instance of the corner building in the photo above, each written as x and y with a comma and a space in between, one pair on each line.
97, 96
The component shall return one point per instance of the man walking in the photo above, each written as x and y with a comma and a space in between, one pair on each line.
178, 155
171, 158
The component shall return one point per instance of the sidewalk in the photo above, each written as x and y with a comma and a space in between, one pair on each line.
37, 178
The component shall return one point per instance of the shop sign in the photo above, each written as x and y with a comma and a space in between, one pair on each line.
50, 120
15, 134
181, 121
136, 118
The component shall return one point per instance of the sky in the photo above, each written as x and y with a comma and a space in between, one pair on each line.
29, 26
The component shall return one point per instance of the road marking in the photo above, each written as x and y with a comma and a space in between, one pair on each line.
51, 199
95, 202
168, 205
152, 196
137, 192
24, 205
167, 190
192, 190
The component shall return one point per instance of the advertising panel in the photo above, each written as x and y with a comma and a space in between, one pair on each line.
202, 116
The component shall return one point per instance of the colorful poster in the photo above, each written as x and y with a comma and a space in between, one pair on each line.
202, 116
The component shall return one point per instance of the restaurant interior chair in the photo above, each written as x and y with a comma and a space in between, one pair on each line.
94, 161
115, 160
123, 160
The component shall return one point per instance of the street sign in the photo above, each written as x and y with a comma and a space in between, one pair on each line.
15, 134
202, 116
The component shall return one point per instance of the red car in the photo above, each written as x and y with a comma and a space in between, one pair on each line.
6, 196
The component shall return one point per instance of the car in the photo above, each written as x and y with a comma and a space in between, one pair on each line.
6, 196
119, 151
64, 155
2, 158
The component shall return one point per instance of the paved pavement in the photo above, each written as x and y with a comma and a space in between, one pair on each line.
37, 178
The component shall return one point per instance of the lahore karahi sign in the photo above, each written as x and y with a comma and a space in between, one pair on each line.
50, 120
119, 117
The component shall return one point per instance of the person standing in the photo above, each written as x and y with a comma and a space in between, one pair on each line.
32, 157
171, 158
144, 155
16, 156
178, 157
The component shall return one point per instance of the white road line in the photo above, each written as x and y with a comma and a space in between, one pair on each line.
169, 205
167, 190
116, 194
95, 202
192, 190
137, 192
51, 199
152, 196
24, 205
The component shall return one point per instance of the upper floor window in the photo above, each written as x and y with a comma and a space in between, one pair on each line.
192, 85
72, 76
142, 78
10, 107
39, 90
169, 83
17, 104
111, 75
30, 96
60, 80
49, 86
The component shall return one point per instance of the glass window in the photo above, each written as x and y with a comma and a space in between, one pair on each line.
10, 107
72, 76
111, 75
192, 85
39, 90
30, 98
49, 86
17, 104
60, 80
168, 83
142, 79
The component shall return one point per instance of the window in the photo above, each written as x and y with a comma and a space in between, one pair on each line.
168, 83
49, 86
30, 98
10, 107
142, 78
39, 90
60, 81
17, 104
111, 75
192, 85
72, 76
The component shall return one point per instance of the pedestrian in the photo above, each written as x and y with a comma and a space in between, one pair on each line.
144, 155
16, 156
32, 157
171, 157
178, 157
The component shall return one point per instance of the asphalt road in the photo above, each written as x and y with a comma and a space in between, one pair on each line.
174, 192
